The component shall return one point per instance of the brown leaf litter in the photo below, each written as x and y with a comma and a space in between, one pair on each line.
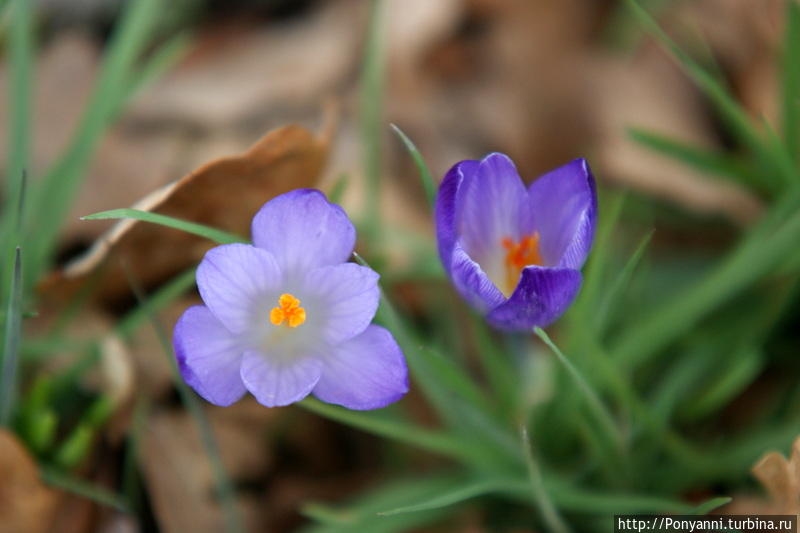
224, 194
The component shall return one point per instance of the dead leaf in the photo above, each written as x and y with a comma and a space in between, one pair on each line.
26, 504
224, 193
177, 471
238, 73
781, 480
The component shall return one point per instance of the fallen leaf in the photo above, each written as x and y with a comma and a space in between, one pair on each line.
224, 193
26, 504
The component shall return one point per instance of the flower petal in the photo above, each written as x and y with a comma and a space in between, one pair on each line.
543, 294
342, 300
365, 372
488, 206
304, 231
472, 282
562, 207
238, 284
446, 223
276, 380
209, 356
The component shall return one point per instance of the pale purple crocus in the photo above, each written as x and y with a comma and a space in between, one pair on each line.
515, 253
288, 316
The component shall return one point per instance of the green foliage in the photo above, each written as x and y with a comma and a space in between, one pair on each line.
624, 419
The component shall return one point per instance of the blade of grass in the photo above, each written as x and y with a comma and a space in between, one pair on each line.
611, 298
338, 189
424, 173
81, 488
370, 114
362, 514
697, 158
431, 379
21, 59
434, 441
458, 495
746, 264
710, 505
222, 484
790, 112
727, 106
593, 401
11, 343
213, 234
541, 498
165, 295
58, 187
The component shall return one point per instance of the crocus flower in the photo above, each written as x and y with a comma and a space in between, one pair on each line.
288, 316
515, 253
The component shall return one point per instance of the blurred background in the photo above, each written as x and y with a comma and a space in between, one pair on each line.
544, 81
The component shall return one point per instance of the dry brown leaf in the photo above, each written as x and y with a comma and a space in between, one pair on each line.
178, 474
239, 73
26, 504
224, 194
781, 480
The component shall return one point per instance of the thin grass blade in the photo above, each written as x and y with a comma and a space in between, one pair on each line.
424, 173
11, 343
201, 230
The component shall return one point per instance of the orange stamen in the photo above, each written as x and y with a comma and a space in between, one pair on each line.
288, 311
518, 256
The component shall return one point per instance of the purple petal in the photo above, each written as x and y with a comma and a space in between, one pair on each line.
304, 231
277, 380
237, 282
365, 372
209, 356
472, 282
562, 207
446, 223
344, 299
488, 206
543, 294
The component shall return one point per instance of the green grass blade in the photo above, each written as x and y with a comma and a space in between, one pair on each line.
745, 265
21, 52
457, 495
58, 187
424, 173
165, 295
362, 514
201, 230
599, 261
338, 189
711, 505
222, 483
81, 488
378, 424
699, 159
541, 497
591, 397
611, 299
11, 343
371, 114
729, 380
729, 109
790, 112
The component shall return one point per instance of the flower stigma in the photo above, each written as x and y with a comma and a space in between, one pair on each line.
518, 256
288, 311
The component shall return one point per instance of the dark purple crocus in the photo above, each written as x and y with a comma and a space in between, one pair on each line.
288, 316
514, 253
